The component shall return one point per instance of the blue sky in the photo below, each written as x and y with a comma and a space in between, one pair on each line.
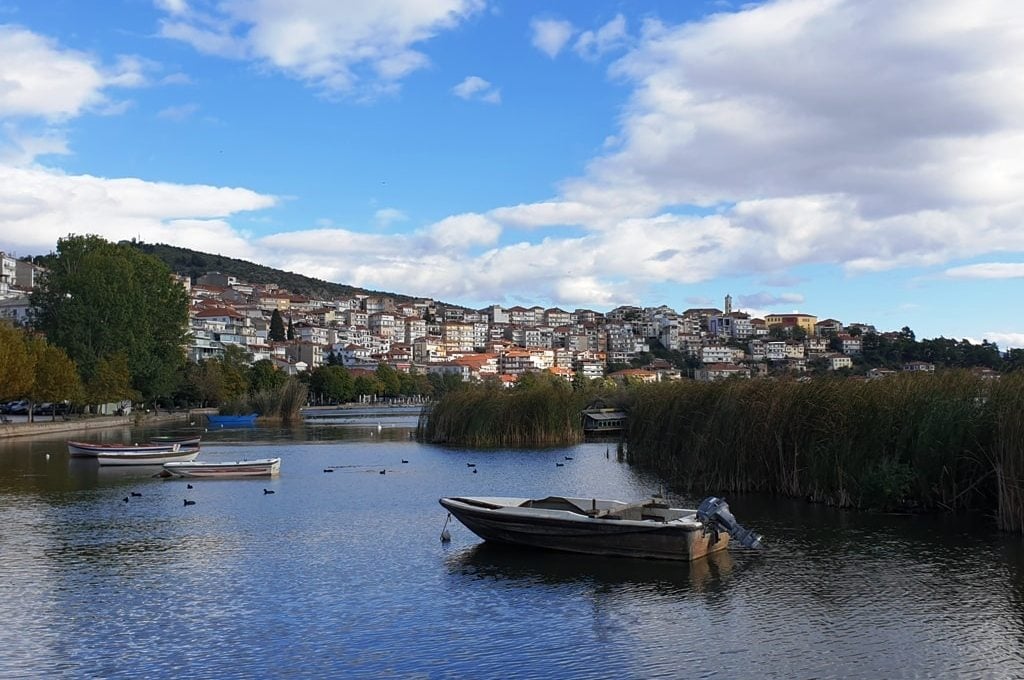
855, 159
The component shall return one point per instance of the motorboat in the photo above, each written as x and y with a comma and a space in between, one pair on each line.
649, 529
262, 467
148, 457
91, 449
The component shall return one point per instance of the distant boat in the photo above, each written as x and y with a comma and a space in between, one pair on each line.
262, 467
92, 450
187, 440
233, 421
148, 457
593, 526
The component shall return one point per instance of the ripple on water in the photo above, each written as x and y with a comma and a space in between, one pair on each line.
343, 575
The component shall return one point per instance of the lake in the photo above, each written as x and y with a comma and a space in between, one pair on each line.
342, 573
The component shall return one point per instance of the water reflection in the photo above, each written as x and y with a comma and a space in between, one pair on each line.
527, 568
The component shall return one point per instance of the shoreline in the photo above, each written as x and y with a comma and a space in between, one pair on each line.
37, 428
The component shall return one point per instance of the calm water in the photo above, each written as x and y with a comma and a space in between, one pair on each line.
342, 574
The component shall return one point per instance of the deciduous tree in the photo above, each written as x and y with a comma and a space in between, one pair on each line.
99, 298
17, 366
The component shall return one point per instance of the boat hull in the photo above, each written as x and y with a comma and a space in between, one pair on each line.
148, 458
232, 421
91, 450
266, 467
580, 533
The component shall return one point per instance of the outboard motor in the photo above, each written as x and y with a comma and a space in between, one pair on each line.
715, 511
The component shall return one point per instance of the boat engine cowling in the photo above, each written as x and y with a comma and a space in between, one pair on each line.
714, 510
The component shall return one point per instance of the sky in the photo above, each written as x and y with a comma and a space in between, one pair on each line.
861, 160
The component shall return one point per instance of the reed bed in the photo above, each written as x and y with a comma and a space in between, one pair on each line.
949, 441
539, 413
280, 404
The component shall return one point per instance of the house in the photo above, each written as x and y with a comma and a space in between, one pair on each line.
629, 375
838, 361
919, 367
795, 320
721, 371
717, 354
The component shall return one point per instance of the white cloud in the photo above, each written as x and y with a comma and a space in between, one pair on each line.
462, 232
763, 299
385, 217
40, 79
39, 206
1004, 340
172, 6
593, 44
475, 87
551, 35
43, 85
178, 113
335, 46
987, 270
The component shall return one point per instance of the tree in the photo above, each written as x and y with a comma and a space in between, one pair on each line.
17, 366
390, 385
333, 383
111, 381
234, 371
291, 330
98, 299
56, 376
277, 331
264, 376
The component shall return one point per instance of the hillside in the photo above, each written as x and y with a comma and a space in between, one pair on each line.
194, 263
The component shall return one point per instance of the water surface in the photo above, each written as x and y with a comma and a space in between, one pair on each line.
342, 573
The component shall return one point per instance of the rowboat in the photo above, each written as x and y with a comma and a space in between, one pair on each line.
148, 457
592, 526
261, 467
186, 440
232, 421
92, 450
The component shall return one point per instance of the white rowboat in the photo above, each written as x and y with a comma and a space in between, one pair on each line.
94, 450
147, 457
262, 467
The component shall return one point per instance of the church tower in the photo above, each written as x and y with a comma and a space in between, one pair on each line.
728, 304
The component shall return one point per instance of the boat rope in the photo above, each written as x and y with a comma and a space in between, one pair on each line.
445, 535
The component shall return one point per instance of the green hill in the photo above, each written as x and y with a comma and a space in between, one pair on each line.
194, 263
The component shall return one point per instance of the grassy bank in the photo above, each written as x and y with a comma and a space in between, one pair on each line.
950, 441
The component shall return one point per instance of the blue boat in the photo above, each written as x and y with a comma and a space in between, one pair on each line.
247, 420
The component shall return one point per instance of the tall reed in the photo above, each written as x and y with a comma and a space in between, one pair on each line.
540, 412
281, 403
908, 440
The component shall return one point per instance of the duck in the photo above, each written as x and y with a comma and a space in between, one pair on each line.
328, 470
188, 502
126, 499
568, 457
404, 460
188, 486
470, 464
474, 471
136, 494
266, 491
383, 472
559, 464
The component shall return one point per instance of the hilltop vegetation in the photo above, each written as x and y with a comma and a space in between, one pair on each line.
194, 263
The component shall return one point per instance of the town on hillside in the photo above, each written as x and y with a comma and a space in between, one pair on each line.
635, 344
